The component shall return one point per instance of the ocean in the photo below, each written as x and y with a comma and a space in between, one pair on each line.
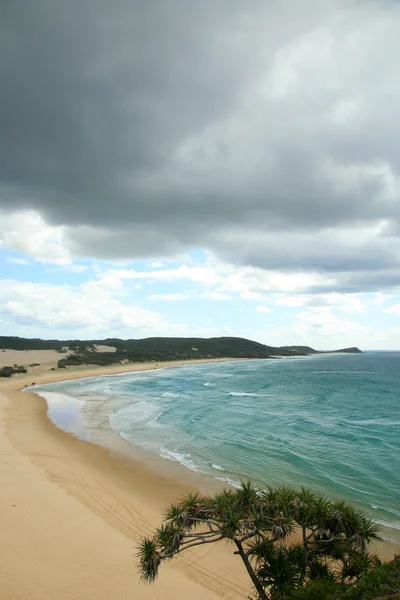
331, 422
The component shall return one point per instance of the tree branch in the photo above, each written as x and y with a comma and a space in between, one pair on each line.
308, 538
200, 536
198, 520
247, 536
331, 539
191, 545
202, 533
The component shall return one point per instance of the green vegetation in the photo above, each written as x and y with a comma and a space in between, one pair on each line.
154, 349
329, 558
18, 343
170, 349
378, 582
352, 350
8, 371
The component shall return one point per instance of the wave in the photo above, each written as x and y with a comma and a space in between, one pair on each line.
378, 421
180, 457
135, 373
388, 524
55, 399
239, 394
343, 372
218, 467
232, 482
140, 412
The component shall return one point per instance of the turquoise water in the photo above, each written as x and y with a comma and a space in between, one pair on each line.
331, 421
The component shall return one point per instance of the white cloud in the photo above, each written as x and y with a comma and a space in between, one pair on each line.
218, 280
263, 309
343, 302
74, 268
322, 329
17, 261
291, 301
394, 309
379, 299
91, 310
27, 232
346, 302
173, 297
322, 322
210, 295
248, 294
18, 309
203, 275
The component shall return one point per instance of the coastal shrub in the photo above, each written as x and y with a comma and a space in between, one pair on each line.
73, 359
8, 371
379, 582
331, 556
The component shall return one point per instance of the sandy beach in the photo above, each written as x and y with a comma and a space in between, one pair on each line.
71, 514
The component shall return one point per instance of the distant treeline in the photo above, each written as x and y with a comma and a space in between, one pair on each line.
19, 343
155, 349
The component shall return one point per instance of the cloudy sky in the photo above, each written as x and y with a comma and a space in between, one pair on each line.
224, 167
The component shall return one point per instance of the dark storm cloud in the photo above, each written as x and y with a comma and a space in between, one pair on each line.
151, 127
93, 91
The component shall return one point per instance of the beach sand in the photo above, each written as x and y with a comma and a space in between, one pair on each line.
71, 514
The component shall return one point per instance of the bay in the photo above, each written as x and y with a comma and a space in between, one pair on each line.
331, 422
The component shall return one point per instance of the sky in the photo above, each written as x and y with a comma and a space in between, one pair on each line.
184, 168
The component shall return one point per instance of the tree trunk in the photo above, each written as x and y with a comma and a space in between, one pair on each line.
304, 557
261, 592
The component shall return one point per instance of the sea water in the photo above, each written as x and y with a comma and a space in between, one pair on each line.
331, 422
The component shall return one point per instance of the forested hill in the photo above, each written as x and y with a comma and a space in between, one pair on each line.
115, 350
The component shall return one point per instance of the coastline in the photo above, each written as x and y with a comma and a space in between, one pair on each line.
79, 510
71, 514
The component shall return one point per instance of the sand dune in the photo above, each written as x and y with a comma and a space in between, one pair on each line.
44, 358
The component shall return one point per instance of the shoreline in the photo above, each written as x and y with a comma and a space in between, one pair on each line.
109, 501
72, 513
133, 457
200, 480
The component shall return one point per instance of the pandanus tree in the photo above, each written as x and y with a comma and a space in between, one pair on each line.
333, 536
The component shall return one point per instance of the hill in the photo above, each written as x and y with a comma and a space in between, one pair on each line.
115, 350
